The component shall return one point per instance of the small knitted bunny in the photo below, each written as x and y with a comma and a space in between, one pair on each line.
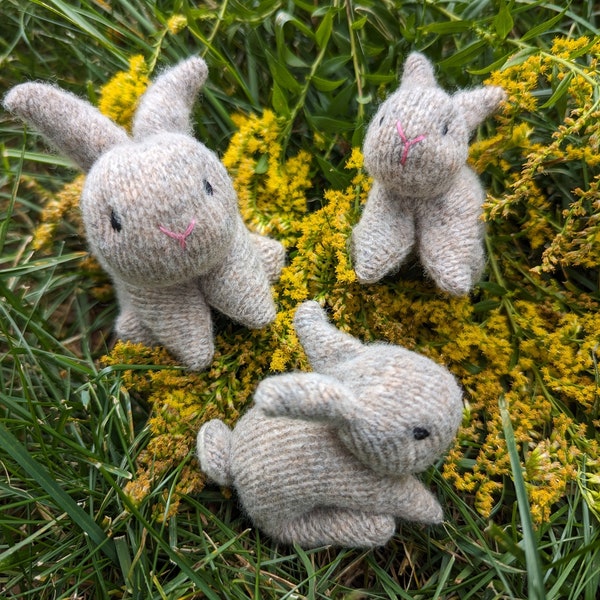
423, 192
328, 457
160, 214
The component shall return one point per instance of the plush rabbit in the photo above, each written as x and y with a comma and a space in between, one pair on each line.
160, 214
328, 457
423, 192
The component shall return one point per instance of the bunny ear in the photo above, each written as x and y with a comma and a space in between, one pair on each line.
479, 103
307, 396
167, 104
324, 345
418, 71
78, 129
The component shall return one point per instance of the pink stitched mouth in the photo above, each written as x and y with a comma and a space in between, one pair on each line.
180, 237
407, 143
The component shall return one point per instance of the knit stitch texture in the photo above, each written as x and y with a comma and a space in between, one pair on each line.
424, 196
328, 457
161, 214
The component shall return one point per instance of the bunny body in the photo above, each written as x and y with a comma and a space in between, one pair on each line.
424, 196
161, 214
329, 457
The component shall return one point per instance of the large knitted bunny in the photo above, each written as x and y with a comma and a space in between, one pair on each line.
328, 457
160, 214
423, 192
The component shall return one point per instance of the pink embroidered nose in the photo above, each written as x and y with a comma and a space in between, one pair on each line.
407, 143
180, 237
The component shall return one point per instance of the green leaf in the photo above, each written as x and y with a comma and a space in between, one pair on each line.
542, 27
326, 85
493, 288
11, 445
463, 56
561, 89
491, 67
485, 306
282, 19
360, 23
324, 30
262, 165
520, 57
329, 124
281, 75
279, 101
503, 22
446, 27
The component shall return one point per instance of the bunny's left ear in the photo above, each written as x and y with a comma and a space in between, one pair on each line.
308, 396
476, 105
167, 104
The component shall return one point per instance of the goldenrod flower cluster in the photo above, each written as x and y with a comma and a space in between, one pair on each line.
547, 147
119, 97
271, 200
524, 336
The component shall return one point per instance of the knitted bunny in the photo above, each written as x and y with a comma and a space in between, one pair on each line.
423, 192
328, 457
160, 214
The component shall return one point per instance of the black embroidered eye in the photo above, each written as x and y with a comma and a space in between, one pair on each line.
381, 120
420, 433
208, 188
115, 222
444, 128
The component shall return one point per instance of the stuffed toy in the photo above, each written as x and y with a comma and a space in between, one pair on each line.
160, 214
424, 196
328, 457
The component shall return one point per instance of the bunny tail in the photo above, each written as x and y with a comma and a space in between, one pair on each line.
324, 345
213, 448
167, 104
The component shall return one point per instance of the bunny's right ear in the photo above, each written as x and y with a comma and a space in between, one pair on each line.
78, 129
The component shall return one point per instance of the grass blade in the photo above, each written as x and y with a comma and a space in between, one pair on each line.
535, 578
16, 450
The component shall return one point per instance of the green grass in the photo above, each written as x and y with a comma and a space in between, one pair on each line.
70, 432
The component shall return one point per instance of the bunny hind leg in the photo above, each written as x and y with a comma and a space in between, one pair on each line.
331, 526
272, 254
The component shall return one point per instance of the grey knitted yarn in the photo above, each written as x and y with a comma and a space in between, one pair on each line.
424, 196
161, 214
329, 457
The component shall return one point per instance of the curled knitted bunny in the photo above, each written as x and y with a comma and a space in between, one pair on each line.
424, 195
160, 214
329, 457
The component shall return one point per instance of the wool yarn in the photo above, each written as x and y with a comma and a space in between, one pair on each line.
161, 214
424, 196
329, 457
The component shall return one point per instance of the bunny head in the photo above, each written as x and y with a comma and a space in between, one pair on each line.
158, 207
418, 139
397, 411
159, 210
